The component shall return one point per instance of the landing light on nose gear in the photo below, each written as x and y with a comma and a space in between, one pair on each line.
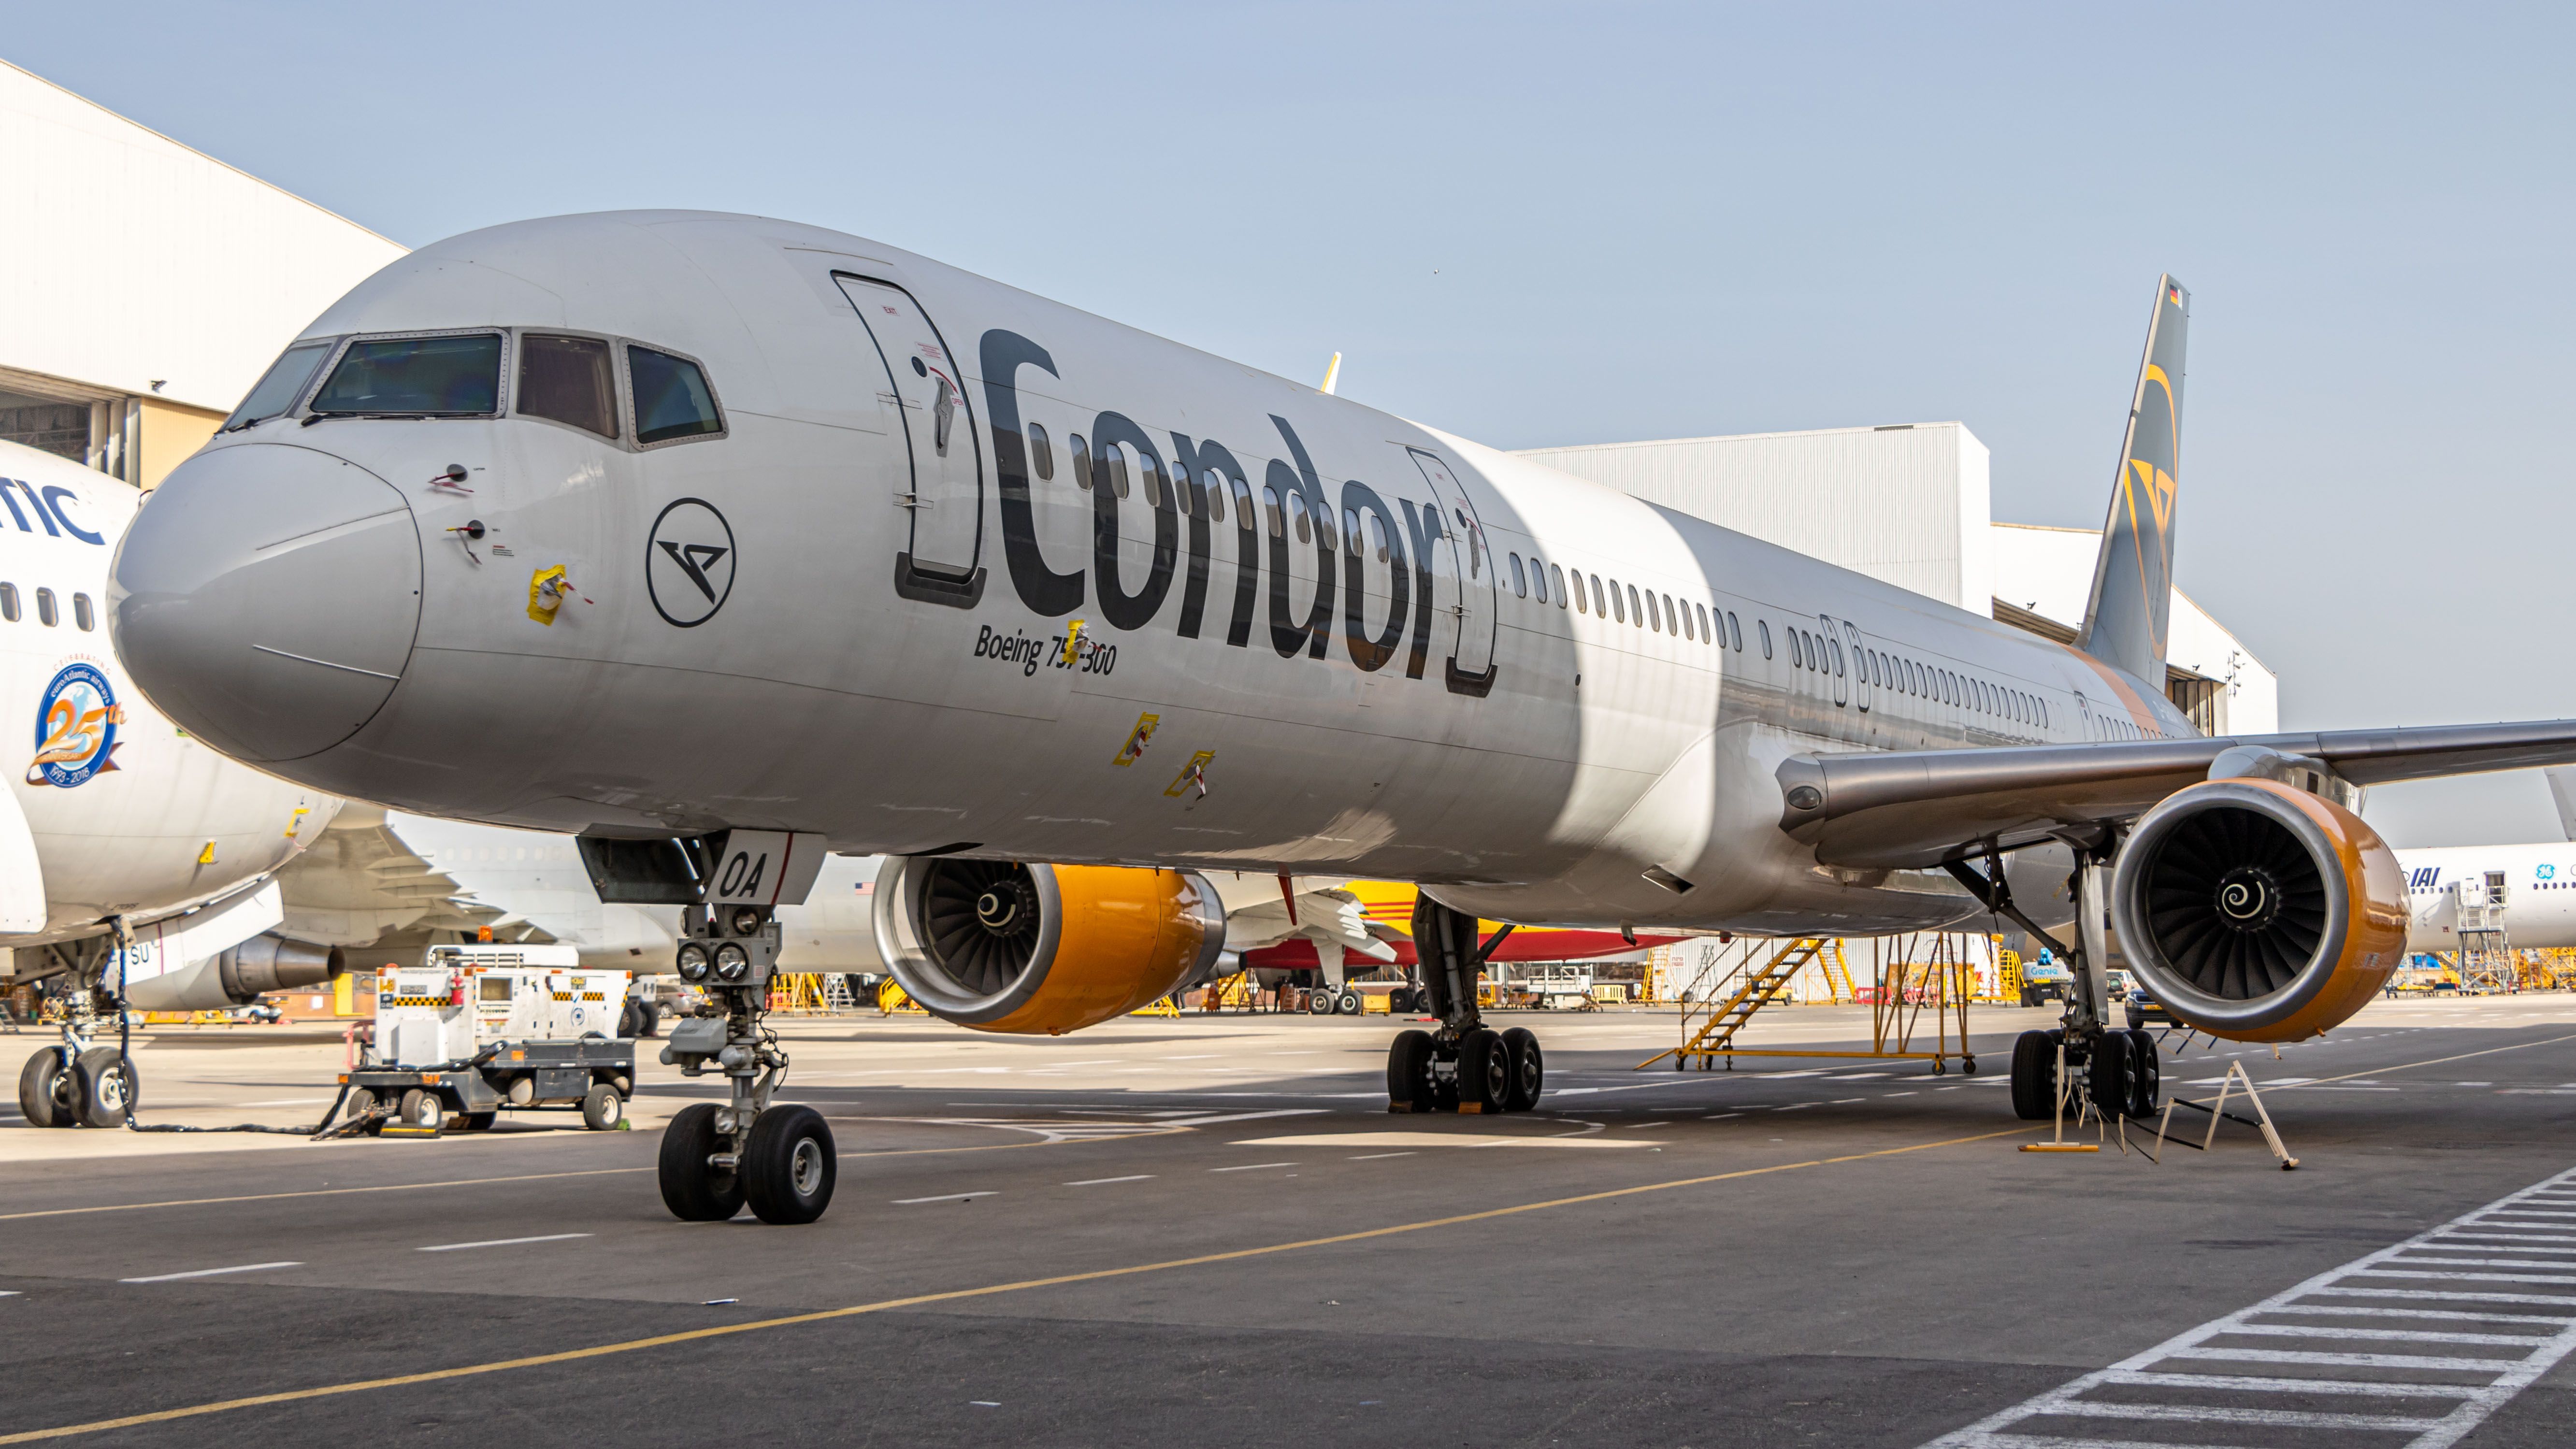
1464, 1066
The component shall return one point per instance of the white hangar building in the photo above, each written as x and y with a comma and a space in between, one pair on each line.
1908, 503
144, 286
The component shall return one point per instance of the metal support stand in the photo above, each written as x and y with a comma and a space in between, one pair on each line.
2083, 1108
2236, 1079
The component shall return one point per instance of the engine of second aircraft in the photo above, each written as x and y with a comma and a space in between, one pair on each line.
1010, 946
238, 976
2259, 912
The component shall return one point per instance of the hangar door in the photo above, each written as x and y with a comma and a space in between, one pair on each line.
926, 398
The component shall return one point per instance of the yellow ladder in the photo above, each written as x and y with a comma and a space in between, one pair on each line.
1762, 986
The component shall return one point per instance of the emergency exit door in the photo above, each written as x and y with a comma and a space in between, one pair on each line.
926, 409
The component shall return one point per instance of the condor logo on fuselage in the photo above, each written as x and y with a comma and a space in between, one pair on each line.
1335, 560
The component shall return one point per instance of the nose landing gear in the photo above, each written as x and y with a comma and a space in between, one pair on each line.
779, 1159
1464, 1065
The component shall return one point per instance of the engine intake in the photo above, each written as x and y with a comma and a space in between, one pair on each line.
2258, 912
1012, 947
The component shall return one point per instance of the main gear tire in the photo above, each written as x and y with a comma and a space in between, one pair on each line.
1408, 1073
1529, 1068
2146, 1075
694, 1191
107, 1086
1319, 1002
1347, 1004
789, 1165
45, 1091
1484, 1072
2109, 1073
2034, 1076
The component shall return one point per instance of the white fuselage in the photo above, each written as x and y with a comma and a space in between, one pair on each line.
2539, 898
852, 608
128, 814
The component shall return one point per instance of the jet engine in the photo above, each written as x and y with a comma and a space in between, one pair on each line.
238, 976
1014, 947
2258, 912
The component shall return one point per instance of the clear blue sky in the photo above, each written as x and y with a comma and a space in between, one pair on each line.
1563, 223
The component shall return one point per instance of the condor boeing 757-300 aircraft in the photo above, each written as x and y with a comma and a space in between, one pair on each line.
723, 542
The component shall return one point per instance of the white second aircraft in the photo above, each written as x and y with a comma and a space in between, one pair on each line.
123, 841
724, 542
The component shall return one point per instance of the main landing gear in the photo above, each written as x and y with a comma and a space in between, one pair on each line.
777, 1158
78, 1083
2120, 1072
1464, 1066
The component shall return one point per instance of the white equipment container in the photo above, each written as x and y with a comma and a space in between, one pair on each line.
464, 998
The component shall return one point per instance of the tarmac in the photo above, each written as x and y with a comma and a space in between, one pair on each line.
1208, 1230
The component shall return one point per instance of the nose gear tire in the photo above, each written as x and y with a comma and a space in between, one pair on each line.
1408, 1073
1484, 1072
693, 1191
107, 1086
1528, 1068
789, 1166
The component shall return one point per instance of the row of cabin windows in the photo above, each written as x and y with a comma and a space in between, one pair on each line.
1625, 603
1900, 675
47, 612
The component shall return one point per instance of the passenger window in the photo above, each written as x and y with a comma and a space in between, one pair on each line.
279, 387
1669, 627
425, 377
1797, 651
1297, 515
1041, 454
9, 602
568, 380
1618, 606
1270, 506
1634, 617
1520, 585
46, 613
81, 614
1214, 484
1765, 627
1081, 460
1538, 578
672, 399
1243, 515
1556, 573
1599, 607
1687, 631
1735, 632
1351, 531
1113, 460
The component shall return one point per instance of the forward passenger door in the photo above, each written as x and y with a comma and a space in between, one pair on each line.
1472, 655
924, 392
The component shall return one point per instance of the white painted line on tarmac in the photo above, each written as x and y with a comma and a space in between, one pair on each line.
943, 1197
1252, 1167
1101, 1181
1374, 1156
210, 1272
499, 1243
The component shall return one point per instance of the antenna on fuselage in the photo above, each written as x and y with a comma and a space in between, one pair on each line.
1332, 375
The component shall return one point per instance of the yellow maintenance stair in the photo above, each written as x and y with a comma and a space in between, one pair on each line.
1762, 986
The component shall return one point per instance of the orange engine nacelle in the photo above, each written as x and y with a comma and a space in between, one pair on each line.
2258, 912
1011, 947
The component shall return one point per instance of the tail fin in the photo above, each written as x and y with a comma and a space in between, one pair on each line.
2562, 788
2125, 620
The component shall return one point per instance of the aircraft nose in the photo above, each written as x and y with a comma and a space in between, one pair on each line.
266, 597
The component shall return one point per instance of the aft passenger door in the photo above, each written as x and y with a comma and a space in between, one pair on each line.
926, 393
1471, 661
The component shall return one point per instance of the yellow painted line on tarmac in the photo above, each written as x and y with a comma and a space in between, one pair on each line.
632, 1345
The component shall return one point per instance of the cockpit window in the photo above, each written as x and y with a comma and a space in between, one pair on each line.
567, 379
672, 399
455, 376
282, 385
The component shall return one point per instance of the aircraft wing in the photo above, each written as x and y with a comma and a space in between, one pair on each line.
1909, 809
360, 882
